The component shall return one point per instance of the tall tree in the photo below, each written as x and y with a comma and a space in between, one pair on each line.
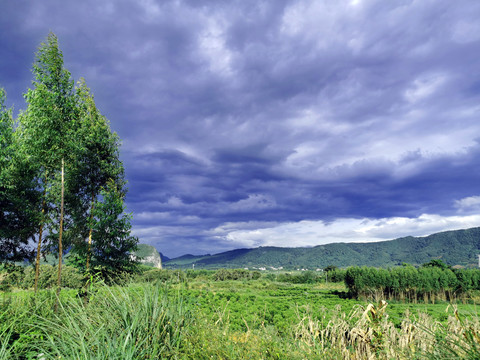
48, 129
6, 154
113, 243
97, 163
17, 192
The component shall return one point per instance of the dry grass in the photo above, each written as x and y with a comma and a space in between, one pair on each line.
368, 333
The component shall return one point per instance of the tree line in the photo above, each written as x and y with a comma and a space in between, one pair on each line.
429, 282
62, 184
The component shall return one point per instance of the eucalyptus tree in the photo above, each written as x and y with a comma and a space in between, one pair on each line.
97, 163
49, 127
6, 153
17, 192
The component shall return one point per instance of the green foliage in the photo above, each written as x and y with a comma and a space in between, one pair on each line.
11, 277
21, 277
49, 124
117, 323
427, 282
96, 162
112, 242
336, 275
458, 247
17, 193
6, 141
436, 263
159, 275
303, 277
48, 129
235, 274
53, 166
231, 319
71, 278
201, 274
330, 268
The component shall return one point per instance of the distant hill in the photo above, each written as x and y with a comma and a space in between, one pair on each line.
148, 255
458, 247
163, 257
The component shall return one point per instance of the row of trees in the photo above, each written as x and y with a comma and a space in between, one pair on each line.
62, 183
428, 282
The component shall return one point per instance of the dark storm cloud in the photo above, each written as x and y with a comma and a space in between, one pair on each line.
240, 118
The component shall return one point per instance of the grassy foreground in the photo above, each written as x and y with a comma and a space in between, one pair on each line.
236, 319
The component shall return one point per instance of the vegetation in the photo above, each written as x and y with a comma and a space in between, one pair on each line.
459, 247
172, 314
432, 281
61, 181
17, 192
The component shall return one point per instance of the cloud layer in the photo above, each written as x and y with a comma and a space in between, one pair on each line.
285, 123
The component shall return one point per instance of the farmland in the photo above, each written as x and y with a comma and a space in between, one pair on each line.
204, 315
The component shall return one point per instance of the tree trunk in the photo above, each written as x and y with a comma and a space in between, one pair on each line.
40, 233
39, 249
89, 251
60, 233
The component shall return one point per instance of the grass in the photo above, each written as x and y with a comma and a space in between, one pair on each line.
204, 319
117, 323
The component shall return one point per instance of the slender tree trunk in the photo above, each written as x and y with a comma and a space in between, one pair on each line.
37, 260
40, 233
60, 233
39, 249
89, 251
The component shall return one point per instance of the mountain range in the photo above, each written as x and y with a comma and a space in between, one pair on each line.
457, 247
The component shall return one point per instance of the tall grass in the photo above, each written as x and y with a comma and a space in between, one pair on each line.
152, 321
15, 312
5, 335
117, 323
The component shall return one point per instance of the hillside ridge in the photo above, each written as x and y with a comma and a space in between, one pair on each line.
454, 247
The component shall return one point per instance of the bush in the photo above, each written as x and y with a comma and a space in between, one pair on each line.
270, 277
162, 275
11, 277
336, 275
48, 275
407, 282
235, 274
71, 278
304, 277
111, 276
199, 274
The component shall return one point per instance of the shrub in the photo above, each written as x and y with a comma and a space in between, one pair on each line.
162, 275
336, 275
235, 274
199, 274
11, 277
270, 277
304, 277
47, 279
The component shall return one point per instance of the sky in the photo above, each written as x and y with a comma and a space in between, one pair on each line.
274, 123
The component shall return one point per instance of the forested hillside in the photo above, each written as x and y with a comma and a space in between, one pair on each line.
459, 247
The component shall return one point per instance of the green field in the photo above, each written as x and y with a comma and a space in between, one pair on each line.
193, 316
